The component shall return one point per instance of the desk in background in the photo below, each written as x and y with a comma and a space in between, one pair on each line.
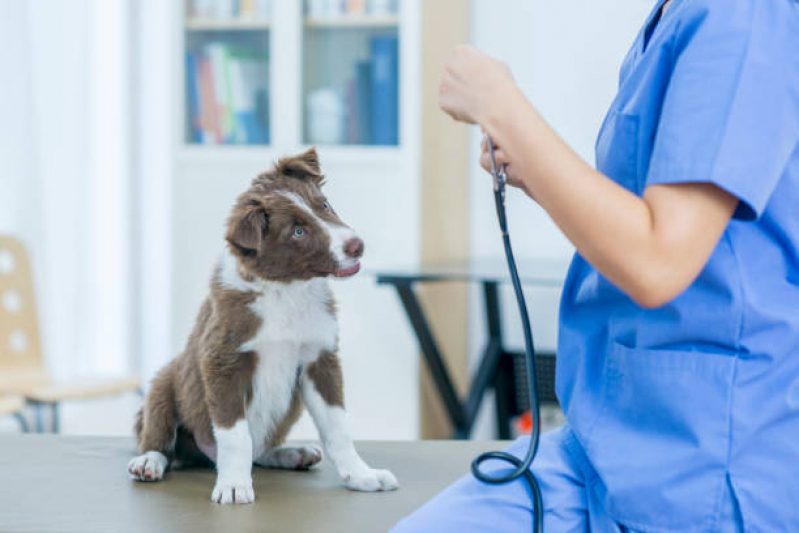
499, 369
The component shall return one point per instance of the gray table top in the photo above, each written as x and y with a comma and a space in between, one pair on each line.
537, 272
80, 484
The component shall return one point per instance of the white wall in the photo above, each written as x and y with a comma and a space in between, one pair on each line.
565, 56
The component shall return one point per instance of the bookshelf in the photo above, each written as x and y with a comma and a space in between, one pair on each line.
353, 21
229, 24
299, 46
226, 49
340, 73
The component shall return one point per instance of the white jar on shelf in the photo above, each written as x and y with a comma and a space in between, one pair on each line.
325, 116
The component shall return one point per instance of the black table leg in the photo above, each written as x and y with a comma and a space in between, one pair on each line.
23, 422
503, 390
55, 413
433, 358
503, 374
495, 370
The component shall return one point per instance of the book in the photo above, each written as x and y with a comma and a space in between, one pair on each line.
352, 134
249, 77
356, 7
246, 8
192, 80
385, 91
209, 116
227, 95
363, 82
219, 55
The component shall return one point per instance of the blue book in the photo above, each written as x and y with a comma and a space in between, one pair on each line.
194, 112
262, 112
385, 90
363, 88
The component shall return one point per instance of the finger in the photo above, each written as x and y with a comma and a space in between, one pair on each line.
501, 157
485, 150
485, 144
485, 161
445, 101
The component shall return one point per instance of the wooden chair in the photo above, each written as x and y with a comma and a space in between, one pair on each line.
22, 371
14, 406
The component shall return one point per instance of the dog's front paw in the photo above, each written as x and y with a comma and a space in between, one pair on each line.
150, 466
371, 480
228, 493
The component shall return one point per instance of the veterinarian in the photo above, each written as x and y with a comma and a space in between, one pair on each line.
678, 358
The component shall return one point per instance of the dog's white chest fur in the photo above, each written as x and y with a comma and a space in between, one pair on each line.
297, 326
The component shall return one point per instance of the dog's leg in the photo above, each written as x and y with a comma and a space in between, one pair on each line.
322, 392
227, 379
233, 464
290, 458
156, 430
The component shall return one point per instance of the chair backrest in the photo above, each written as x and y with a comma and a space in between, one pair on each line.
20, 351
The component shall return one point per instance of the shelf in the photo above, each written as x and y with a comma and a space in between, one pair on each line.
364, 157
353, 21
234, 24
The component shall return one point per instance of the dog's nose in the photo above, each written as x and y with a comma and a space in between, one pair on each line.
354, 248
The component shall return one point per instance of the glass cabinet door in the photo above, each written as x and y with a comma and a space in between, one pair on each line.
227, 72
350, 72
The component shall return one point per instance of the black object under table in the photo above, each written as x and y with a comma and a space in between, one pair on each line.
501, 369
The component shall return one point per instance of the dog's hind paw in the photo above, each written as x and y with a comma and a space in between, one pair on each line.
297, 458
150, 466
231, 493
371, 480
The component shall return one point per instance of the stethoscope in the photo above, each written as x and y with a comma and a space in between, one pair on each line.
522, 466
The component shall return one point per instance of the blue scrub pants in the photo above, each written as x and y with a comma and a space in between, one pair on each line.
562, 470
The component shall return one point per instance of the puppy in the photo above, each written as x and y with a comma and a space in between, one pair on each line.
264, 344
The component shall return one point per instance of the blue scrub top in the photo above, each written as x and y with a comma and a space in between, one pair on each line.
668, 403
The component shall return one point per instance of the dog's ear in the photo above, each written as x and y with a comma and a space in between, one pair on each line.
246, 228
303, 166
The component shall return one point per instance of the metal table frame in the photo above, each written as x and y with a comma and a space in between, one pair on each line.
496, 369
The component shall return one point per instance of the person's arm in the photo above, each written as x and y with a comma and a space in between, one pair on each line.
652, 248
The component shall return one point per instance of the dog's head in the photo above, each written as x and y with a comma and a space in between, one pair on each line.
284, 229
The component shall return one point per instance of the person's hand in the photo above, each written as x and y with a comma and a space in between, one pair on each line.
472, 82
502, 159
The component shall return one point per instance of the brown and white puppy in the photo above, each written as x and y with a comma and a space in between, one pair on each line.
264, 344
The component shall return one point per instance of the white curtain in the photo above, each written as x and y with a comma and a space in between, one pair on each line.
74, 178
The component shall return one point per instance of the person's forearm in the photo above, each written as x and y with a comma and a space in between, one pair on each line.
615, 230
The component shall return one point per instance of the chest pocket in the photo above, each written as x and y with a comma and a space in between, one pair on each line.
617, 151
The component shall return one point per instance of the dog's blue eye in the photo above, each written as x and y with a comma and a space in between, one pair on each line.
326, 206
299, 232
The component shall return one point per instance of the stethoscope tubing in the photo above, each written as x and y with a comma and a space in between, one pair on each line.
521, 466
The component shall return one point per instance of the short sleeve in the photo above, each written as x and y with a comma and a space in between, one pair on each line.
730, 115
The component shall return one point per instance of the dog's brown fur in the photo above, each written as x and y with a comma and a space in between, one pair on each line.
326, 374
257, 210
209, 379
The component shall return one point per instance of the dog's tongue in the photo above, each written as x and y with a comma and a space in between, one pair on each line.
347, 272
